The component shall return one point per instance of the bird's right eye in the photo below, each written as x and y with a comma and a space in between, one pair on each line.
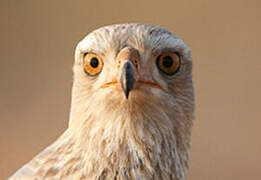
93, 64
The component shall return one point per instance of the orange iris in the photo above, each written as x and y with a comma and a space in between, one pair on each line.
168, 63
93, 64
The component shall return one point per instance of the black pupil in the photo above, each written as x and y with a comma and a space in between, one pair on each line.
94, 62
167, 61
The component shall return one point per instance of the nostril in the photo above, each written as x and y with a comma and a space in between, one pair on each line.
136, 64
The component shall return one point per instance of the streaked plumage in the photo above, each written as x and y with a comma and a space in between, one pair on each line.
146, 136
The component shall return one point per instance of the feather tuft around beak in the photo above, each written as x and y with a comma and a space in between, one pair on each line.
127, 79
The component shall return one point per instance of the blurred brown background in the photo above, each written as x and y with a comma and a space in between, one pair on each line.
37, 42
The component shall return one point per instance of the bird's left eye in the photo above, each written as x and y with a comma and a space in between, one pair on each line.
168, 63
93, 64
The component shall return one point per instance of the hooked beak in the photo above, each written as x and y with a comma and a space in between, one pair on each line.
127, 78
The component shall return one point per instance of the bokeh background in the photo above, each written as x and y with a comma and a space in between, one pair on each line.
37, 42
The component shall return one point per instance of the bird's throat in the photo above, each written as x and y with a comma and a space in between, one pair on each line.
130, 139
130, 148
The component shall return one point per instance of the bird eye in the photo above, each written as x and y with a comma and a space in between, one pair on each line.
92, 64
168, 63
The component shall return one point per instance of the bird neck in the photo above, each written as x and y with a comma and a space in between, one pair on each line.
131, 138
143, 147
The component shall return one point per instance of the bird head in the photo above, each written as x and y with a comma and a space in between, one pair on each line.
134, 73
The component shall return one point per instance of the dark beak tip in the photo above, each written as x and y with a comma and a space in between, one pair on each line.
127, 96
126, 92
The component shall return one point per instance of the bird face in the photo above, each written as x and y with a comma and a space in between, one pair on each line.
123, 67
127, 76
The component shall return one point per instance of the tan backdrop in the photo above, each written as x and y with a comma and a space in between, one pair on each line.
37, 42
